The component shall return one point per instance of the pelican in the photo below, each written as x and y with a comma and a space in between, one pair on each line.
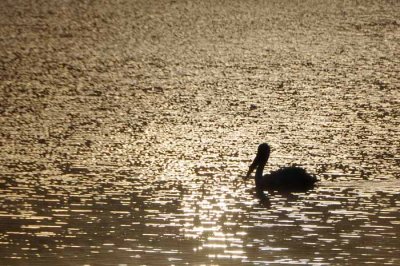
292, 179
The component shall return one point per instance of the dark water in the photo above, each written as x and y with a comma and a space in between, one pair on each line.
126, 128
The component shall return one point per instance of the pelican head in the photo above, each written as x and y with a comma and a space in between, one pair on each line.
261, 158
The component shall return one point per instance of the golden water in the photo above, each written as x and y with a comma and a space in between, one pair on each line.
126, 129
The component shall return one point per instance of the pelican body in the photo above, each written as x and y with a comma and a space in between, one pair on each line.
292, 178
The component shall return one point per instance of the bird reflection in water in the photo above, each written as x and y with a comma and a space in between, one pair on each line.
284, 180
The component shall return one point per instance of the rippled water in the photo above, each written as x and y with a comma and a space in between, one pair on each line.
126, 129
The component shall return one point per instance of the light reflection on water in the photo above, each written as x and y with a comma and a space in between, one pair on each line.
204, 219
134, 155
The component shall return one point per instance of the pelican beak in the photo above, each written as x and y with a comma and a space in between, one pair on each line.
251, 169
261, 158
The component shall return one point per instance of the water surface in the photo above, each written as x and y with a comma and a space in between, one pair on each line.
126, 128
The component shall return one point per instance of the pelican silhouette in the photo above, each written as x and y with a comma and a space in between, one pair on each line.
288, 179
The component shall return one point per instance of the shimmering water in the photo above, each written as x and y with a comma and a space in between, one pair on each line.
126, 129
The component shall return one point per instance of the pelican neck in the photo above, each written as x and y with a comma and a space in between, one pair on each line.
259, 171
